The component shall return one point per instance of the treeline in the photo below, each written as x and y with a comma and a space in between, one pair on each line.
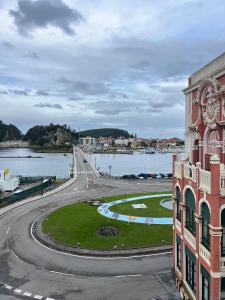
53, 135
9, 132
105, 132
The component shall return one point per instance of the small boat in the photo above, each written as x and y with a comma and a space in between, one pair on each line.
149, 151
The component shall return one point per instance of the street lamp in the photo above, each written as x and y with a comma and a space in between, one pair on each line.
110, 169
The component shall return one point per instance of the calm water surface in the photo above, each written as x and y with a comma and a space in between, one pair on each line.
59, 165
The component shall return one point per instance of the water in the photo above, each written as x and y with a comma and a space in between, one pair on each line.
133, 163
56, 164
52, 164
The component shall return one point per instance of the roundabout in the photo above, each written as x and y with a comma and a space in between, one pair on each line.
75, 227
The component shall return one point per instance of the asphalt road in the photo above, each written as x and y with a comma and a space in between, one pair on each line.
30, 270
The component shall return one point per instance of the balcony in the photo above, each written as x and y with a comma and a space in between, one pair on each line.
183, 169
205, 181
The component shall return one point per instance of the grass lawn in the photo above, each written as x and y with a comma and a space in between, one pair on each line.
77, 223
153, 208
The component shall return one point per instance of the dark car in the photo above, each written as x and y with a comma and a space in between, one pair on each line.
84, 160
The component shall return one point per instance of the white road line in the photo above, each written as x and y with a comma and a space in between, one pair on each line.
50, 299
18, 291
38, 297
60, 273
13, 253
8, 230
129, 275
27, 294
8, 287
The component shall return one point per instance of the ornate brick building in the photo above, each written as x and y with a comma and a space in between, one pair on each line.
199, 188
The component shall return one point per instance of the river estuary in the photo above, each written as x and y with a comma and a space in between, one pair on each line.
58, 164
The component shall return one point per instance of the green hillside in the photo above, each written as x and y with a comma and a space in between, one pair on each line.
105, 132
9, 132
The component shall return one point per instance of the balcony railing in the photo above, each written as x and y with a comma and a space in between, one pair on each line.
189, 172
184, 169
205, 180
177, 169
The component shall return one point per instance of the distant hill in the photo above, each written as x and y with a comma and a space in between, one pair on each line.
9, 132
105, 132
50, 135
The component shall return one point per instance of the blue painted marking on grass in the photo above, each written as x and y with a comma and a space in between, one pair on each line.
105, 211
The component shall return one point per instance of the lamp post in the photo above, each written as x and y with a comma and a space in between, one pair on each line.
110, 169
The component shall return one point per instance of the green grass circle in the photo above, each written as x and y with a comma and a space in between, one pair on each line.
76, 224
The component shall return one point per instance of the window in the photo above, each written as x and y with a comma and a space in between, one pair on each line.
178, 251
205, 226
205, 284
178, 199
223, 233
190, 211
190, 270
222, 289
178, 256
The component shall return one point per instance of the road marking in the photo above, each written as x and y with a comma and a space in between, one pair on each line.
8, 287
50, 299
18, 291
38, 297
60, 273
13, 253
129, 275
8, 230
27, 294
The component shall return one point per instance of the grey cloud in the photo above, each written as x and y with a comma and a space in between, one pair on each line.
8, 45
48, 105
30, 15
111, 111
32, 55
19, 92
74, 98
83, 87
2, 92
42, 93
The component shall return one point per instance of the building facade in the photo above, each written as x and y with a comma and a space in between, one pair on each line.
87, 141
199, 188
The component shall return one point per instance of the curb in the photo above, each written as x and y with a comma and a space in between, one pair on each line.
57, 246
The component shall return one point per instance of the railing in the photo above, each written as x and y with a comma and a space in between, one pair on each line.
177, 169
205, 180
189, 171
209, 69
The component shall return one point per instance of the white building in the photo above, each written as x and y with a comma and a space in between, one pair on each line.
121, 141
8, 183
87, 141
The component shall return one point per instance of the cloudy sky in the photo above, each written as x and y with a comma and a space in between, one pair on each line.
104, 63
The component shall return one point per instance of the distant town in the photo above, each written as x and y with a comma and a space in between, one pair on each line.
60, 138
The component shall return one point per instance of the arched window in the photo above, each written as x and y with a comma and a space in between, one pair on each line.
205, 225
223, 233
190, 211
178, 199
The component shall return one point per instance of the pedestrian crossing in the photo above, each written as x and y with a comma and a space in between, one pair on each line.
85, 172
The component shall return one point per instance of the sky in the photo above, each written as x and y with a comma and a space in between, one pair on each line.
104, 63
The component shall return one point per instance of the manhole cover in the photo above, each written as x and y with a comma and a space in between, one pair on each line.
108, 231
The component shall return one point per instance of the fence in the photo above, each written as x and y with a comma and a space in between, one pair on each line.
25, 193
31, 179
